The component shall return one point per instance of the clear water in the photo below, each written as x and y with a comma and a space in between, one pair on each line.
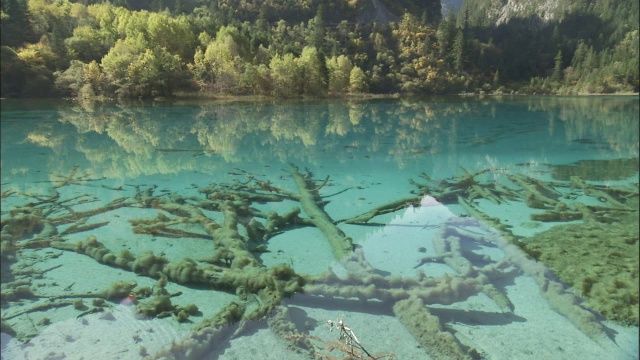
103, 168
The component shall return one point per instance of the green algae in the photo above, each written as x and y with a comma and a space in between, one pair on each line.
600, 261
597, 170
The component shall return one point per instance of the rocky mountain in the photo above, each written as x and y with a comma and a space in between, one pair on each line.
496, 12
451, 5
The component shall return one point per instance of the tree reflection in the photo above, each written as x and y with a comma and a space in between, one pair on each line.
602, 121
125, 140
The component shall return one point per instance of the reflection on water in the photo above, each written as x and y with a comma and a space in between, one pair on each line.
130, 141
217, 225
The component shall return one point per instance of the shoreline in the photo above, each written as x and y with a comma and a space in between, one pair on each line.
364, 96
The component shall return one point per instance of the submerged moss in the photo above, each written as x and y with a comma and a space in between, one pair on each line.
597, 170
598, 261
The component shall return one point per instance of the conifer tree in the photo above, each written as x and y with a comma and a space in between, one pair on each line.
557, 70
458, 51
14, 25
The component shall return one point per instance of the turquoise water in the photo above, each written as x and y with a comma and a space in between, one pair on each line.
274, 206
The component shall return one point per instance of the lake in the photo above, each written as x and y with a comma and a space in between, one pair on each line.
498, 228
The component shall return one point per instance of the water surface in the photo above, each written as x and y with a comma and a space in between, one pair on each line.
406, 219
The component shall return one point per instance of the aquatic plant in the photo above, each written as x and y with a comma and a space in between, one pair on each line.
230, 262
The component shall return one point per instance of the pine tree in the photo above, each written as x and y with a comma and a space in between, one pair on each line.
179, 7
459, 53
15, 28
557, 70
446, 33
317, 30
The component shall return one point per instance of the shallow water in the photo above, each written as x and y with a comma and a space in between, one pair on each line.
458, 183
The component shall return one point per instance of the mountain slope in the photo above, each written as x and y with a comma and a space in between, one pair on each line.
376, 11
494, 13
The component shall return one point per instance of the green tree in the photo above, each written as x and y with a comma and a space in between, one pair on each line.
95, 79
379, 42
54, 20
173, 34
13, 73
88, 44
462, 43
157, 5
445, 35
358, 81
71, 80
39, 62
557, 70
286, 76
117, 61
459, 51
157, 72
204, 19
131, 24
260, 35
316, 29
179, 7
219, 66
15, 28
132, 68
339, 72
311, 70
256, 80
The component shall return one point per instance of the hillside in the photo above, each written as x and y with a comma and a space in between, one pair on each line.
288, 48
495, 13
484, 13
376, 11
293, 10
572, 41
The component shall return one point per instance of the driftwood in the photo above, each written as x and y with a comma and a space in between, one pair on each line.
231, 265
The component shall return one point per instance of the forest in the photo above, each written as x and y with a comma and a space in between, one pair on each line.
314, 48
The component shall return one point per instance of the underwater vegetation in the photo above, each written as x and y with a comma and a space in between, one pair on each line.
600, 256
595, 232
597, 170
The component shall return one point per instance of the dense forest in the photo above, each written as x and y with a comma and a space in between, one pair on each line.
288, 48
